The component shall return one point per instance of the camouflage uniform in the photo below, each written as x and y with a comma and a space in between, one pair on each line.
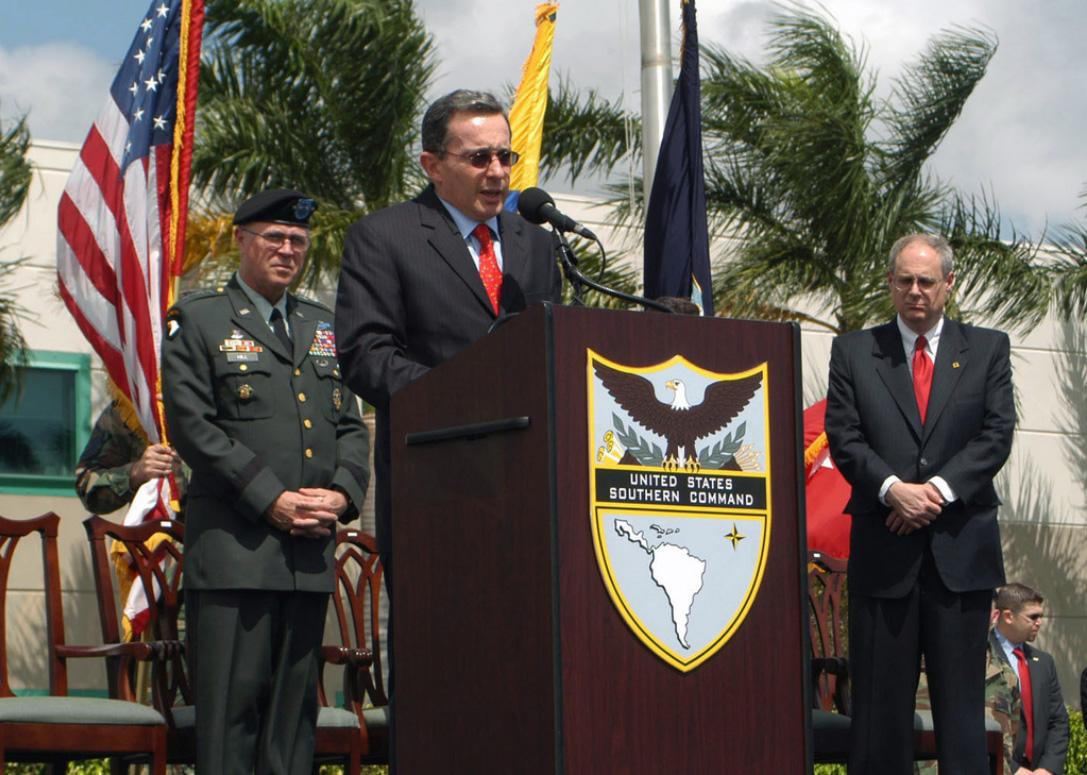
1002, 700
1002, 704
103, 473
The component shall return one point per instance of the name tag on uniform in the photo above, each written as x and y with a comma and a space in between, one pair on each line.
241, 356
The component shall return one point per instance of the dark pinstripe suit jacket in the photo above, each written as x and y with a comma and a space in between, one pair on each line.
410, 297
875, 430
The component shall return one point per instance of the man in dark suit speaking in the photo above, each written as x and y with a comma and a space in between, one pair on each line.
920, 415
422, 280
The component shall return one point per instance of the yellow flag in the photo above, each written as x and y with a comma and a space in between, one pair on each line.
527, 115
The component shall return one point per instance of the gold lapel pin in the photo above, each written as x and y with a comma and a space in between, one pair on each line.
954, 364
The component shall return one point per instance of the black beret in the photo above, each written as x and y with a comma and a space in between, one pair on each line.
278, 205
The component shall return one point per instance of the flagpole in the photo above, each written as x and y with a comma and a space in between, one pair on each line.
656, 83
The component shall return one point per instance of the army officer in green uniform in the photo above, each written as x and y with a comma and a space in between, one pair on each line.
256, 406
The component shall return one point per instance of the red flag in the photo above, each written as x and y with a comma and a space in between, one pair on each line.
827, 492
121, 222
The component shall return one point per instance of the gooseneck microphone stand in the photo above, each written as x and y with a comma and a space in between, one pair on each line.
578, 280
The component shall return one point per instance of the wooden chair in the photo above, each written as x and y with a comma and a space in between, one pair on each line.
59, 728
830, 674
829, 665
356, 603
158, 565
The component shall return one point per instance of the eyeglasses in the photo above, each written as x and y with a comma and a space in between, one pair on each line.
905, 282
1034, 617
276, 238
481, 159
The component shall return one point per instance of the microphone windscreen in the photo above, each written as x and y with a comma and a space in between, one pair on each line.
531, 203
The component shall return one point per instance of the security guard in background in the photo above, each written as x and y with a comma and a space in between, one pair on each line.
256, 406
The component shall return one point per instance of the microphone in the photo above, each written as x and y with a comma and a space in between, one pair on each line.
537, 206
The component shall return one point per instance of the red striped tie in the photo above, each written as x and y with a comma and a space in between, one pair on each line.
922, 376
489, 272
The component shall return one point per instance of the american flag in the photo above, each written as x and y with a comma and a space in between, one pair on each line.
121, 236
122, 215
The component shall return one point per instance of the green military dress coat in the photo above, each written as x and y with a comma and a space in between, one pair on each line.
253, 420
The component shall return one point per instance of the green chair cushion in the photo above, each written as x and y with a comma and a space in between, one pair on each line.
376, 718
76, 710
922, 722
336, 718
184, 716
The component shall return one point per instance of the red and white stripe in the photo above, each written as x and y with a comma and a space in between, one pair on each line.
110, 259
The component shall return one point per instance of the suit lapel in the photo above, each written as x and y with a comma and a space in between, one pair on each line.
891, 366
443, 236
1036, 680
514, 244
248, 319
951, 360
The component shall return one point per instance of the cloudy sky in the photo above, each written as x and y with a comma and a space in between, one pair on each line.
1020, 135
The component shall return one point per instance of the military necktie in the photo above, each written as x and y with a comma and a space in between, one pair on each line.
279, 327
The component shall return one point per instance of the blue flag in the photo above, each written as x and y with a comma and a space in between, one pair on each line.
677, 244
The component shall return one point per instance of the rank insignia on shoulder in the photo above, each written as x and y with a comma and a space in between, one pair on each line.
337, 398
245, 392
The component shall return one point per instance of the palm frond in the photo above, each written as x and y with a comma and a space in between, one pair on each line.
930, 95
319, 95
15, 178
585, 132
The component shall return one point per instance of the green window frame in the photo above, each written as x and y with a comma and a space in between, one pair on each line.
79, 366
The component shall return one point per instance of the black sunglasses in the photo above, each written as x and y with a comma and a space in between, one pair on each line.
481, 159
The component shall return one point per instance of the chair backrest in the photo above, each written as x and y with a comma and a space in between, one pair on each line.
150, 554
828, 632
12, 531
357, 605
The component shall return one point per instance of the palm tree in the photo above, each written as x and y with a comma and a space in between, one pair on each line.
14, 186
319, 95
810, 177
1070, 269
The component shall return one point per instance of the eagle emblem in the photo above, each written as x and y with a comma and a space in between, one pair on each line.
679, 499
680, 423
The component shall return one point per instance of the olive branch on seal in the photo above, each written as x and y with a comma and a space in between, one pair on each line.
646, 453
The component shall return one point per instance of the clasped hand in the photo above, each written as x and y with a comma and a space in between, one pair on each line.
913, 506
311, 512
156, 460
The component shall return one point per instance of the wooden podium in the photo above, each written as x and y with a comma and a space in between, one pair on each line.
510, 654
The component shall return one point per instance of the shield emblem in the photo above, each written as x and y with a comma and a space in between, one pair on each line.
679, 499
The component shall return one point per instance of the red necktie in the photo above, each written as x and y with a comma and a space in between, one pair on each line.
1028, 701
922, 376
489, 272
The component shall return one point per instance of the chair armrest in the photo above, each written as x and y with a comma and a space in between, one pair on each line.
340, 655
136, 650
